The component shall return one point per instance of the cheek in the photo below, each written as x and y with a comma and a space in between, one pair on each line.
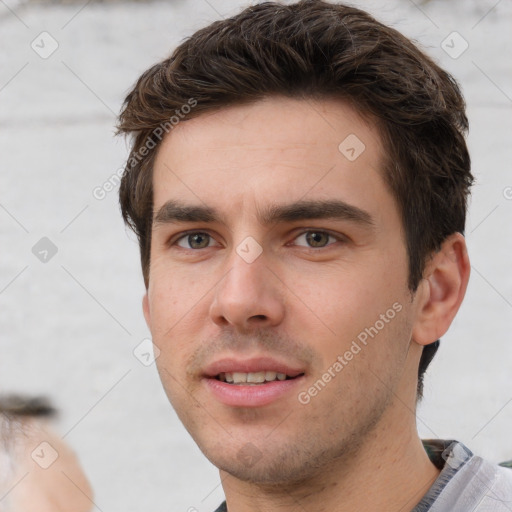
366, 303
178, 307
349, 297
172, 292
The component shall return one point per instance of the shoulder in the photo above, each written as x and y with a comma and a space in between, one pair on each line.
467, 481
481, 486
498, 494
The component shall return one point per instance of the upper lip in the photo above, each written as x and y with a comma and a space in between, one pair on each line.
253, 365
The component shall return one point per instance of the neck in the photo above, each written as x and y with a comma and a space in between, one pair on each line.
386, 473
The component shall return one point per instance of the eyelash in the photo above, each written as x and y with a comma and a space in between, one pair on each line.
338, 238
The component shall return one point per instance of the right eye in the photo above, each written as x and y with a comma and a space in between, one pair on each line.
194, 240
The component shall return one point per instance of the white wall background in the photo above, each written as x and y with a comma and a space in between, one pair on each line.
68, 327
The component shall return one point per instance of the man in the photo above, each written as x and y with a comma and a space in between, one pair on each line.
38, 471
298, 183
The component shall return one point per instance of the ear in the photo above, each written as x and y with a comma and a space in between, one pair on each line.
145, 310
441, 291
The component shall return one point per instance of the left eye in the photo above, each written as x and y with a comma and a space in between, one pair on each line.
315, 239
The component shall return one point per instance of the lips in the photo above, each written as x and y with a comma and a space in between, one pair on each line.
251, 383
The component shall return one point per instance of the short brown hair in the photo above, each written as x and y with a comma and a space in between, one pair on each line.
314, 49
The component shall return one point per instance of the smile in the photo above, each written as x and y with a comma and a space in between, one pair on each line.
252, 378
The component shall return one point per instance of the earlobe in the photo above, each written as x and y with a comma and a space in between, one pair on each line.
442, 290
145, 310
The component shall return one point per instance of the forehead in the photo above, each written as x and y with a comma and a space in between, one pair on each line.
274, 148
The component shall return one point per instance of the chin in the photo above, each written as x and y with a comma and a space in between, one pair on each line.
274, 466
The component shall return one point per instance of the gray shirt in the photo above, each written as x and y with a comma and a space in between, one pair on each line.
467, 483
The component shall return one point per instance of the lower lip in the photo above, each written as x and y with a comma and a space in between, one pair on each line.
238, 395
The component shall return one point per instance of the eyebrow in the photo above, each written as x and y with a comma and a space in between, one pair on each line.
175, 212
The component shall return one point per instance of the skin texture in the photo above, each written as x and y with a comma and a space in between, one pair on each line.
354, 445
61, 487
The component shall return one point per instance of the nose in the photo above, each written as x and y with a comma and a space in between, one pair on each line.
249, 296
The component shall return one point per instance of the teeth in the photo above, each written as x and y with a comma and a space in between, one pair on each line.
238, 378
252, 377
270, 376
256, 377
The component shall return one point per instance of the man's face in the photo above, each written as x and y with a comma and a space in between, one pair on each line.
323, 300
